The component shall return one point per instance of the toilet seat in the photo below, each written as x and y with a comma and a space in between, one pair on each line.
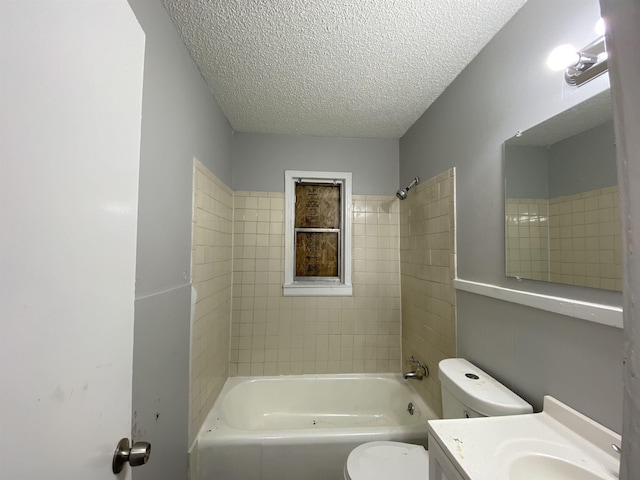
387, 461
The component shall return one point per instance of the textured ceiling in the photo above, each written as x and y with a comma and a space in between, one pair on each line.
351, 68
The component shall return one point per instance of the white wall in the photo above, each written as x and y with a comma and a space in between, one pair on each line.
180, 121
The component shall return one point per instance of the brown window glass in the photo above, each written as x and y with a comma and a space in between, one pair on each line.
317, 254
317, 230
317, 206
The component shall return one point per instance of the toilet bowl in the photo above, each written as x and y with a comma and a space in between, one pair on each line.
467, 391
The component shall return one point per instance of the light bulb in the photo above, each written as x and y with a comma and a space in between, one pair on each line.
562, 57
600, 28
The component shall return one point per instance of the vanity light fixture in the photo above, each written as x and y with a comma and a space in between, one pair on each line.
583, 65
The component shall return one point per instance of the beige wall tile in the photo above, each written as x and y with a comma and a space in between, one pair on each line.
315, 334
211, 261
238, 270
427, 262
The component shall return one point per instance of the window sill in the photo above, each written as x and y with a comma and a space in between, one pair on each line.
317, 290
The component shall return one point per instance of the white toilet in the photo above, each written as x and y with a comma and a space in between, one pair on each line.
467, 392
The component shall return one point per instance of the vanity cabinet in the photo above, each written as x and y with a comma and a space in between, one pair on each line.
440, 467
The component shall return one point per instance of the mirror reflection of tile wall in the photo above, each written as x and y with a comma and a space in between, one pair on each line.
528, 238
562, 216
574, 239
584, 239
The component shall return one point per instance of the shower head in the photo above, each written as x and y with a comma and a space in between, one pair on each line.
402, 193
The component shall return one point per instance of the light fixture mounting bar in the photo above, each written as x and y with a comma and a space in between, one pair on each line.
591, 64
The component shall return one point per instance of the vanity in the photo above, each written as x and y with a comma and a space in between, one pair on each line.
558, 443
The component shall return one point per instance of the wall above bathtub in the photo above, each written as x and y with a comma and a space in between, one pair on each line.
259, 161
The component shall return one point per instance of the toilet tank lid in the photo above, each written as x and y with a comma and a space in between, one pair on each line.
479, 390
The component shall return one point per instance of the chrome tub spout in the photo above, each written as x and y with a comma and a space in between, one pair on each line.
419, 370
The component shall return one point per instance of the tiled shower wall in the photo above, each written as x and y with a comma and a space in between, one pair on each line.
211, 271
272, 334
428, 263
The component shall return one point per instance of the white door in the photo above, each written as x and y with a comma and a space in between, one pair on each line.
70, 110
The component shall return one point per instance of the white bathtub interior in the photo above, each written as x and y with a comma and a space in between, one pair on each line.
303, 426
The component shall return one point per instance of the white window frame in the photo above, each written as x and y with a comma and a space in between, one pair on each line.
315, 286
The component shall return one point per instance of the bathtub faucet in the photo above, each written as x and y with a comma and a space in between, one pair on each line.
418, 370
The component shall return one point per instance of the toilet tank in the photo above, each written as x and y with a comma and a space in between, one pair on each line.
467, 391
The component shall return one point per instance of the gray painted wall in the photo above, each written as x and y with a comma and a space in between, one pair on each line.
180, 121
259, 161
526, 172
505, 89
583, 162
538, 353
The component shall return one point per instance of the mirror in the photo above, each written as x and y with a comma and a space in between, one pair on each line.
562, 221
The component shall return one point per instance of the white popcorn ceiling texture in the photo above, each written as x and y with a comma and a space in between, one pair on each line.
350, 68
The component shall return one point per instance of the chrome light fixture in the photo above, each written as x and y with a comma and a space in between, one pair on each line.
592, 62
580, 66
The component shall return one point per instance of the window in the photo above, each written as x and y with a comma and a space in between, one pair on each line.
317, 233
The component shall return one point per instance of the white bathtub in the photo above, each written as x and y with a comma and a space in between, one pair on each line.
303, 426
